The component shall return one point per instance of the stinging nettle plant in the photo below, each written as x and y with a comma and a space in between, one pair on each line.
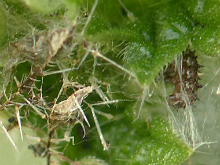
71, 67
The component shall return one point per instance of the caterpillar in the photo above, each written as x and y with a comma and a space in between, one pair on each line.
183, 73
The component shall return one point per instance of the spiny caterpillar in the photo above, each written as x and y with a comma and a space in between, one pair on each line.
183, 72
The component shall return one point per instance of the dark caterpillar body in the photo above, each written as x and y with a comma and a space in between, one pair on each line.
184, 74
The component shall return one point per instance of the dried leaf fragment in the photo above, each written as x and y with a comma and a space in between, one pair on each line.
70, 108
41, 47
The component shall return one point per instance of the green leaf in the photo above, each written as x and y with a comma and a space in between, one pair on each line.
207, 39
204, 11
135, 144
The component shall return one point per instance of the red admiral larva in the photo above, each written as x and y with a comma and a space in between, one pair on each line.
183, 72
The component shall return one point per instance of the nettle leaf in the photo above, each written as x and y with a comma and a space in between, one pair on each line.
207, 39
204, 11
158, 33
164, 148
136, 144
205, 15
